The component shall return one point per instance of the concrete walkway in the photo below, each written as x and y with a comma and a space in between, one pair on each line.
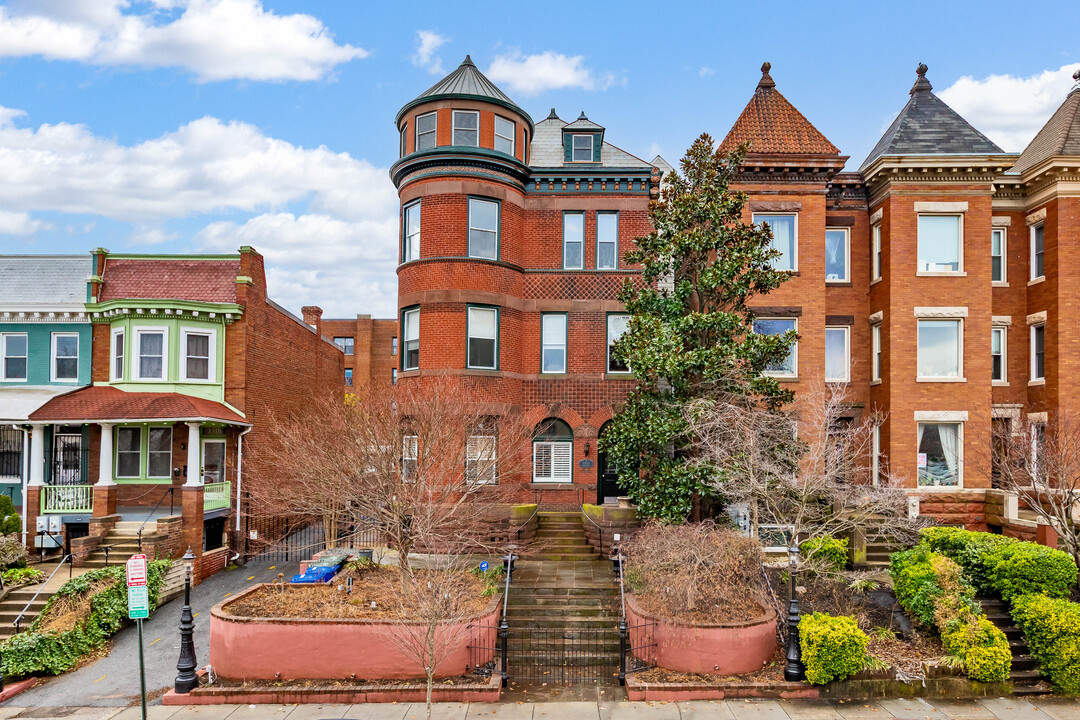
986, 709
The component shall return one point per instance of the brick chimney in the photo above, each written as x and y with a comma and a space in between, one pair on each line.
313, 317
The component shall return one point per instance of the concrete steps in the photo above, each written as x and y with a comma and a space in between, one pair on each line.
13, 604
1024, 673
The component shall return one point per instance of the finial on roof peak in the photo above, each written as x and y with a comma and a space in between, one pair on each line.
582, 116
921, 83
1076, 77
766, 79
552, 115
468, 61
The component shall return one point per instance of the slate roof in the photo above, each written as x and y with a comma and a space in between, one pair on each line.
546, 148
44, 279
927, 126
465, 81
174, 278
103, 402
1059, 136
771, 124
583, 123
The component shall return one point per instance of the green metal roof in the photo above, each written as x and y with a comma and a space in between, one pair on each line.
466, 82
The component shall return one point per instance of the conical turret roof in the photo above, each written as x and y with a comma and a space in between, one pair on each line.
466, 82
1059, 136
927, 126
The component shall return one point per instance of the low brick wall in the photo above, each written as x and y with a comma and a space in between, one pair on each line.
165, 541
611, 520
967, 507
212, 562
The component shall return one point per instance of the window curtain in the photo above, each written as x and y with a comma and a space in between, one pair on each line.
950, 444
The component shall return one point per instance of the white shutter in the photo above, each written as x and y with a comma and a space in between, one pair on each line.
560, 461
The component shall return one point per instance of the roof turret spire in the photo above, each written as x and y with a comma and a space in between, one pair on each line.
766, 82
552, 115
921, 84
468, 61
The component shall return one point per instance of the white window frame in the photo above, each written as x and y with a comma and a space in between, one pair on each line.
611, 344
410, 451
3, 356
579, 241
344, 345
794, 352
876, 256
599, 241
121, 357
1004, 332
959, 246
875, 455
1004, 281
403, 134
473, 454
211, 363
454, 114
411, 242
795, 240
497, 230
469, 336
574, 147
405, 324
1031, 259
433, 131
553, 446
116, 451
847, 254
927, 418
877, 358
53, 358
564, 346
510, 137
149, 452
1033, 377
847, 353
202, 458
959, 350
147, 330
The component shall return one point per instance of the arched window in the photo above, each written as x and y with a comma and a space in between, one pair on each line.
553, 452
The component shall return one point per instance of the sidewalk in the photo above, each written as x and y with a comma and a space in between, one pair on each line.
985, 709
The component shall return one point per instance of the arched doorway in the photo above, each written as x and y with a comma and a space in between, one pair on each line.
608, 489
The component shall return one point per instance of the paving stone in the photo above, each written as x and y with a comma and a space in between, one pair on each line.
500, 711
706, 710
1059, 709
861, 710
1011, 708
963, 710
59, 712
561, 710
810, 710
757, 710
205, 712
262, 712
638, 711
439, 711
318, 712
911, 709
153, 712
377, 711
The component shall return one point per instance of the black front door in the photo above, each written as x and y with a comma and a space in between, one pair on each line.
607, 479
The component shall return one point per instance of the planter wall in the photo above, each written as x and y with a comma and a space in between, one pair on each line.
621, 520
248, 648
730, 649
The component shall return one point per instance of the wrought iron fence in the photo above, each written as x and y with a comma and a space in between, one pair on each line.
11, 449
563, 656
67, 465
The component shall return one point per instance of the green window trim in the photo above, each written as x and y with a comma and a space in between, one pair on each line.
469, 338
143, 476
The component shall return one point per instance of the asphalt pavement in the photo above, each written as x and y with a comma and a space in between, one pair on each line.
113, 681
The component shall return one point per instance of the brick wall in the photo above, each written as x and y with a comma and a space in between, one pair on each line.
373, 356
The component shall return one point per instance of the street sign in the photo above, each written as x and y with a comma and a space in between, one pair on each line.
138, 602
136, 570
484, 566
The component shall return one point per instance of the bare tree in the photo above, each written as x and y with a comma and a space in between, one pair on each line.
1039, 462
807, 467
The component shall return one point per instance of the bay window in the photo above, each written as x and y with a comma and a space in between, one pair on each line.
837, 254
940, 349
504, 135
788, 366
466, 128
837, 354
939, 460
410, 321
784, 239
940, 243
197, 362
152, 346
483, 229
425, 131
117, 364
483, 338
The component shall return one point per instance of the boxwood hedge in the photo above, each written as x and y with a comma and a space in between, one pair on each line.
832, 647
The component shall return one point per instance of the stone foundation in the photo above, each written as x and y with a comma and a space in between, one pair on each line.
611, 521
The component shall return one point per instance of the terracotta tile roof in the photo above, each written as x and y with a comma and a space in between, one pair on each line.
103, 403
771, 124
170, 279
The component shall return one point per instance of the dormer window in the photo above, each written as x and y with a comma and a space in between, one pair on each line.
467, 128
583, 148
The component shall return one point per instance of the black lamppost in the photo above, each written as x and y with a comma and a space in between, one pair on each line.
187, 680
793, 670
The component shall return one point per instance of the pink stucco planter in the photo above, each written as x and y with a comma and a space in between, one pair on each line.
731, 649
249, 648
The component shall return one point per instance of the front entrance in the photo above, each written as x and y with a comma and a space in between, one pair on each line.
213, 453
608, 489
67, 459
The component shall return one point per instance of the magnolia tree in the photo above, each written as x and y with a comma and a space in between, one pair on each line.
417, 463
806, 468
1039, 461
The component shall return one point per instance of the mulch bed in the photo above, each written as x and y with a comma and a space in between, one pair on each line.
378, 585
772, 672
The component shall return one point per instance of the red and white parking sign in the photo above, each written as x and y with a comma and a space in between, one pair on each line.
136, 570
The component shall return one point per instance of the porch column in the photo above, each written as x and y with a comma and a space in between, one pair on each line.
35, 483
105, 490
194, 456
37, 455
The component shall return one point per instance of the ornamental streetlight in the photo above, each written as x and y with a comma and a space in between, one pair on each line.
187, 680
793, 670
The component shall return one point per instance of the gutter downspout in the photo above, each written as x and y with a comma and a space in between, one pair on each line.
239, 474
25, 475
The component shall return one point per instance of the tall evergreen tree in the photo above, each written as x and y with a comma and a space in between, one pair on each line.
691, 329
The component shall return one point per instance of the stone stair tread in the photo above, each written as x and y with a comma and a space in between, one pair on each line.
1025, 675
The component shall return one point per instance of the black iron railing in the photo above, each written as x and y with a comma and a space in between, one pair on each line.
67, 466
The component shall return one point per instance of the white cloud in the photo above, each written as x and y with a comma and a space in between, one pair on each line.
534, 74
705, 71
20, 223
214, 39
1010, 110
427, 43
151, 235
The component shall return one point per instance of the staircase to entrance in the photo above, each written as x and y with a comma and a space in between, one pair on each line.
122, 542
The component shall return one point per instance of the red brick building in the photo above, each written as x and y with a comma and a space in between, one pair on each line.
928, 281
370, 346
191, 362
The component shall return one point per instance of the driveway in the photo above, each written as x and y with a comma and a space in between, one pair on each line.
114, 680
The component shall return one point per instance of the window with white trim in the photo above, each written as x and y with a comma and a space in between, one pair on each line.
573, 238
410, 446
617, 323
15, 352
1038, 251
152, 348
347, 344
410, 358
875, 252
401, 144
997, 255
582, 148
117, 363
128, 450
1038, 351
483, 229
65, 357
998, 350
553, 452
876, 465
789, 366
875, 370
480, 449
410, 228
940, 243
504, 135
607, 240
1037, 469
159, 452
837, 354
466, 128
425, 131
784, 239
940, 348
940, 454
837, 254
483, 338
553, 342
199, 349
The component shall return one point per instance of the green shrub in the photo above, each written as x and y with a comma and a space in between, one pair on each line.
1052, 629
972, 550
1026, 568
22, 576
826, 552
39, 652
10, 521
832, 647
930, 586
12, 551
980, 647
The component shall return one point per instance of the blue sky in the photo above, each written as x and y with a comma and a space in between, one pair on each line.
203, 125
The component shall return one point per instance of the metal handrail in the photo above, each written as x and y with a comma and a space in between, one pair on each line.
149, 515
68, 559
622, 584
525, 524
504, 626
599, 528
